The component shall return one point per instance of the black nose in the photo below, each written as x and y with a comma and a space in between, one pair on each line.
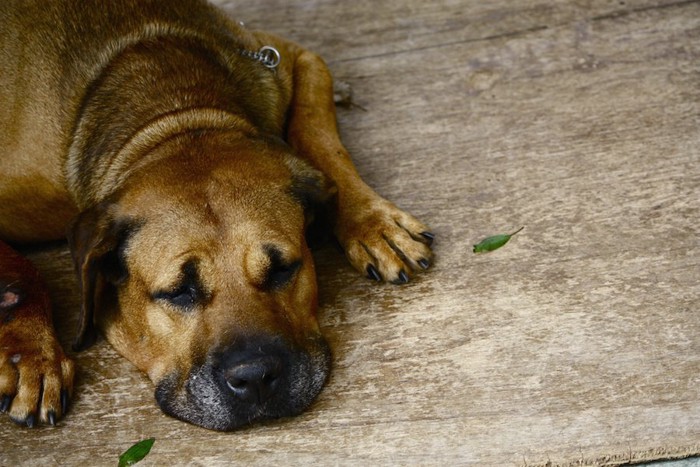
254, 380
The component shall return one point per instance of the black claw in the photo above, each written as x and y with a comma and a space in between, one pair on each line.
373, 274
429, 237
402, 279
5, 403
65, 399
424, 263
30, 421
52, 418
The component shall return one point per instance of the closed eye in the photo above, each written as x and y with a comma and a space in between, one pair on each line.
184, 297
280, 275
188, 293
279, 272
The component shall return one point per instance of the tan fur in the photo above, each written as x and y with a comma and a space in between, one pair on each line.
145, 118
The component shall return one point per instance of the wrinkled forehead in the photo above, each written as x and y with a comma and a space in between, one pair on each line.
218, 193
237, 227
231, 215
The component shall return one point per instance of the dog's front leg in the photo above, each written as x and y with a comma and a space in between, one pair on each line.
36, 378
379, 239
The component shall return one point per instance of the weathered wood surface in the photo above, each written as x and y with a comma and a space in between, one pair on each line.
577, 342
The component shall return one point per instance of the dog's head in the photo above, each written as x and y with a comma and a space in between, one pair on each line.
198, 272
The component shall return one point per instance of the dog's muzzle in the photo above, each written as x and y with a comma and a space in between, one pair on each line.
254, 379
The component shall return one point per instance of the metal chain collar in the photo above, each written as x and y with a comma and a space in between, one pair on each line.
267, 55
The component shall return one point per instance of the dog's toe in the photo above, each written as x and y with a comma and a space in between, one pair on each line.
8, 382
57, 387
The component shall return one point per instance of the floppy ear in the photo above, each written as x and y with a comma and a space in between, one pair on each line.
97, 243
309, 186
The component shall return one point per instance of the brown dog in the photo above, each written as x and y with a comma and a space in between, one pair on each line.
186, 152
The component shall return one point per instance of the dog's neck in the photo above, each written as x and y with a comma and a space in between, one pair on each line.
138, 151
154, 91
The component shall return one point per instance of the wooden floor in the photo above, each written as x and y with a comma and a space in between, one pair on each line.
576, 343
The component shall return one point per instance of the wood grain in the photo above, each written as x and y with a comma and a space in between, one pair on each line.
576, 343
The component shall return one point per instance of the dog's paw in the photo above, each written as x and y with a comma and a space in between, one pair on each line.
382, 241
35, 384
36, 378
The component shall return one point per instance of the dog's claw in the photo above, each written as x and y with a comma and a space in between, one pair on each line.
424, 263
5, 403
429, 237
51, 416
31, 421
65, 400
373, 274
401, 279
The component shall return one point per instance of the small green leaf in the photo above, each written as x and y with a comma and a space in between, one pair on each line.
136, 452
493, 243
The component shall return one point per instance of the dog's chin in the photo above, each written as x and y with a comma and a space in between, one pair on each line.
205, 399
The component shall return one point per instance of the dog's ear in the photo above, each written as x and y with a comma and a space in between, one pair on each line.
309, 186
97, 243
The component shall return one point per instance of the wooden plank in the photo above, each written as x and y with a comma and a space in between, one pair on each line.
577, 342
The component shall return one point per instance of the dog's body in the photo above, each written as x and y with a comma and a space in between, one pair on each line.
186, 168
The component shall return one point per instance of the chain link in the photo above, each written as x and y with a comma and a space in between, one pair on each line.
267, 55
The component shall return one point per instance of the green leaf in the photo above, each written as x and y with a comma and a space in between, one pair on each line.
494, 242
136, 452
